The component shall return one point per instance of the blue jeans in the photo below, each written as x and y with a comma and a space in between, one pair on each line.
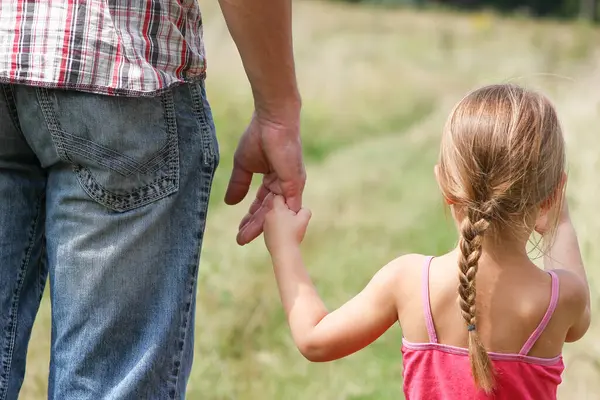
108, 197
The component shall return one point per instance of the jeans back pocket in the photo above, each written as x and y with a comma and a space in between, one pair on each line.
124, 150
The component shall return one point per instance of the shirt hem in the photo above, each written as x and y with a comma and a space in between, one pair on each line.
493, 355
101, 89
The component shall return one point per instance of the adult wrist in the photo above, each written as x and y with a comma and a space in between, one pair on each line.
281, 110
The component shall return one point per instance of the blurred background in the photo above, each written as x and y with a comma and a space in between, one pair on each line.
378, 78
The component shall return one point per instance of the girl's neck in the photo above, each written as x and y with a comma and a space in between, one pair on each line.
503, 253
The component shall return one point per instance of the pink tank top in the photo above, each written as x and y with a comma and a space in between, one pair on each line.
434, 371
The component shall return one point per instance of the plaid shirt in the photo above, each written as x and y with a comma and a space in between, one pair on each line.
101, 46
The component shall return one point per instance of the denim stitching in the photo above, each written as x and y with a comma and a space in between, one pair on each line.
12, 107
159, 188
209, 131
173, 141
11, 328
208, 172
153, 191
103, 90
96, 152
43, 270
119, 163
112, 163
200, 113
53, 124
154, 163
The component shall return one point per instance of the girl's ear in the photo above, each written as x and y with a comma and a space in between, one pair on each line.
436, 172
563, 182
561, 190
557, 195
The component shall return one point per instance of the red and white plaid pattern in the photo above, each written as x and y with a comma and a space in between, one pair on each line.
115, 47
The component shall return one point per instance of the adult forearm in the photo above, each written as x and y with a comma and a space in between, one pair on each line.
262, 32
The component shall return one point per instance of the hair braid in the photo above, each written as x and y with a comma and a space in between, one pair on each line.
502, 161
472, 232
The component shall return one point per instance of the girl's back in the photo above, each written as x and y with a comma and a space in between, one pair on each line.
519, 300
482, 321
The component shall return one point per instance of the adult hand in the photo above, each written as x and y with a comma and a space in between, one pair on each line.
262, 32
271, 147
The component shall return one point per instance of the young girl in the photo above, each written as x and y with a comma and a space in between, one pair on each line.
482, 321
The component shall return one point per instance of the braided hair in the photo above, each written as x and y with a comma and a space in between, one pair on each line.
472, 230
502, 157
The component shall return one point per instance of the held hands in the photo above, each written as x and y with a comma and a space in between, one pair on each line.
283, 227
272, 147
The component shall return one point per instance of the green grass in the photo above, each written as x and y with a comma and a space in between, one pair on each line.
377, 86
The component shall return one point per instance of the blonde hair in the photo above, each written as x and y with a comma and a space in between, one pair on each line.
502, 158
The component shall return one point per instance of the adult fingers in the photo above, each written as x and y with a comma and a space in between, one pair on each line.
244, 221
254, 226
290, 190
262, 192
285, 157
294, 203
239, 185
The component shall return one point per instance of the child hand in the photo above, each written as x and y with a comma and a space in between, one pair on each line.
283, 227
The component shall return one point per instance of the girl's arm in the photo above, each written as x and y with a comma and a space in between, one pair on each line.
565, 255
319, 335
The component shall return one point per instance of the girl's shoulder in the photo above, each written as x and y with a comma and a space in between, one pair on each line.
408, 264
573, 303
406, 272
573, 290
413, 264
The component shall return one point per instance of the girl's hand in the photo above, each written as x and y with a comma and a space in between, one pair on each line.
283, 227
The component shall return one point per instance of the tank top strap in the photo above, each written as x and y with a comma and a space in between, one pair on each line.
549, 312
426, 302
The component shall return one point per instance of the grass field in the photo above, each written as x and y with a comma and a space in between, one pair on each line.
377, 86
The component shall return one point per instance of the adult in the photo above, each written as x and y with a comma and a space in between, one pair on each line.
107, 154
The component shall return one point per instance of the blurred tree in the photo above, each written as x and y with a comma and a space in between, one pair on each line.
540, 8
589, 10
